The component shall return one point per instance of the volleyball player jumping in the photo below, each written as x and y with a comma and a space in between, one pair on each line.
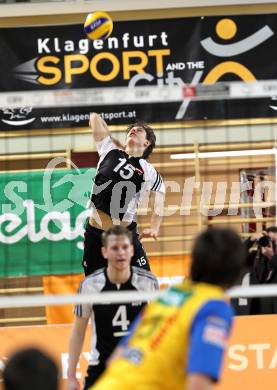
123, 177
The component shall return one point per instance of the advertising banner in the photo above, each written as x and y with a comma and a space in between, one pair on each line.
250, 363
42, 221
181, 51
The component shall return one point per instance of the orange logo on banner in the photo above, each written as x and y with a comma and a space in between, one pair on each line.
251, 360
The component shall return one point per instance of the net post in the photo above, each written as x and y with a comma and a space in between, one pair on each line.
275, 162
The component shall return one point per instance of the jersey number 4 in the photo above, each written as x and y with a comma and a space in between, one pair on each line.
120, 319
126, 171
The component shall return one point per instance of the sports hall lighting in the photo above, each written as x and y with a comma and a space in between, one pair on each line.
228, 153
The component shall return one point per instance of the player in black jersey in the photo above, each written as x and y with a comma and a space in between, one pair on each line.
123, 178
109, 322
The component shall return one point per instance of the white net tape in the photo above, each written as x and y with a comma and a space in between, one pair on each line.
138, 94
90, 96
120, 297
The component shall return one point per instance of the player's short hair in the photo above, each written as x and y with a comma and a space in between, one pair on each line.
116, 231
30, 369
150, 136
218, 257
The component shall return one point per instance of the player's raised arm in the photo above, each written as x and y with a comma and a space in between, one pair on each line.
100, 130
98, 126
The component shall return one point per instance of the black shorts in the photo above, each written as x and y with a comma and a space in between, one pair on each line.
93, 259
93, 373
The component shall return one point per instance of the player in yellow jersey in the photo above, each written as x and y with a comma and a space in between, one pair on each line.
179, 340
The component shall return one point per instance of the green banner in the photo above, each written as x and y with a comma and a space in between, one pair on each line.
42, 221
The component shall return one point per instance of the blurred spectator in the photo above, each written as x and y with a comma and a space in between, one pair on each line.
262, 269
30, 369
272, 232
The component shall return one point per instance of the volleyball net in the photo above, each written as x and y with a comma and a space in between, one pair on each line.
140, 94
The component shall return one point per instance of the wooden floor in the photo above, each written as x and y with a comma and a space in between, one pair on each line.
22, 316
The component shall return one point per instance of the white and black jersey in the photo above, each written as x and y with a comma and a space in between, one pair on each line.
110, 322
121, 181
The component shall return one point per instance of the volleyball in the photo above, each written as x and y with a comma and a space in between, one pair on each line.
98, 25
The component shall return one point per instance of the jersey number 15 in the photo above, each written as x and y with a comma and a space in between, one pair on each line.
127, 171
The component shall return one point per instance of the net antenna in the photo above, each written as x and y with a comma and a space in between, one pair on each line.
275, 151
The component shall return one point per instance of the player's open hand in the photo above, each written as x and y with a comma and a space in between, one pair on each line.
98, 126
149, 233
94, 119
